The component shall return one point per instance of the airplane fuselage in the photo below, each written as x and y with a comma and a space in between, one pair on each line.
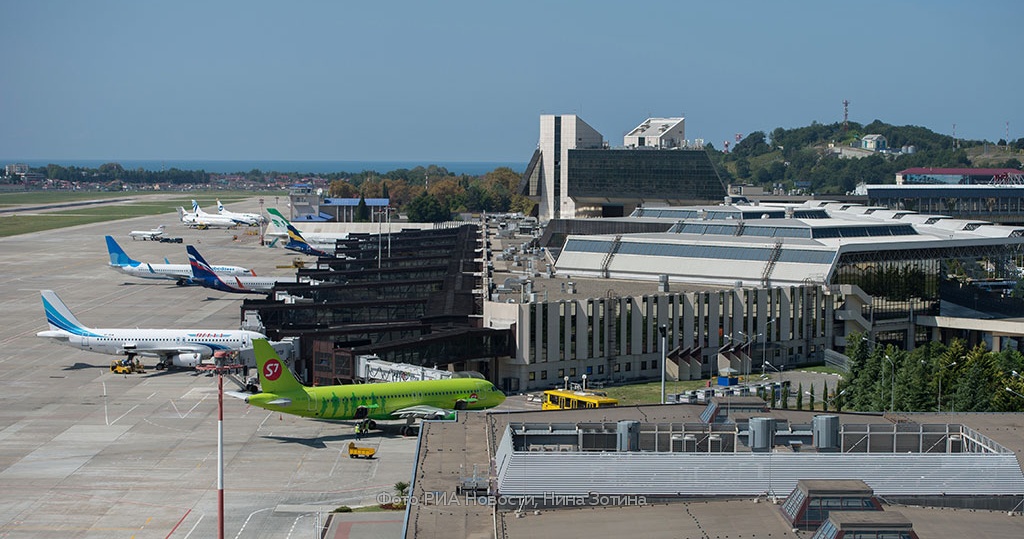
239, 284
139, 235
174, 272
380, 401
181, 347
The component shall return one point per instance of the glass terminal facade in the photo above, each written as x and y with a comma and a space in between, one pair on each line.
685, 176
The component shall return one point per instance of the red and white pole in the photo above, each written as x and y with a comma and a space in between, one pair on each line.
220, 455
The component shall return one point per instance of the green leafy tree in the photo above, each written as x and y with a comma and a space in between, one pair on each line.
975, 384
426, 209
342, 189
362, 214
912, 393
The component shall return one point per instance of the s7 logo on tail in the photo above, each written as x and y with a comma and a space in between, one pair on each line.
272, 370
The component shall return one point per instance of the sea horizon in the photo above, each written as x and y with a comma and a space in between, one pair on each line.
300, 166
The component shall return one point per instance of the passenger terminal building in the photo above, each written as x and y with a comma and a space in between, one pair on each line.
732, 282
635, 240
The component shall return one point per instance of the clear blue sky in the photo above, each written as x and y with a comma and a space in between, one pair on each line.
467, 80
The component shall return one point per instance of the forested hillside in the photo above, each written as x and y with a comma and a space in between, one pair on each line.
803, 158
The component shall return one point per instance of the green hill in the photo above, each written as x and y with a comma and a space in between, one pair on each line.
807, 158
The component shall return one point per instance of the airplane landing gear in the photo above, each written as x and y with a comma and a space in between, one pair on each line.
409, 429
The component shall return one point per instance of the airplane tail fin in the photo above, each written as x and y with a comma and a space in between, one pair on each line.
181, 214
220, 207
59, 317
195, 206
275, 376
295, 235
277, 219
117, 255
297, 243
200, 268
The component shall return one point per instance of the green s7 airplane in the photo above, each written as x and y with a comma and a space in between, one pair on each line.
427, 399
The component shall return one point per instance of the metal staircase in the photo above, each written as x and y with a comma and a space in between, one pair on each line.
773, 257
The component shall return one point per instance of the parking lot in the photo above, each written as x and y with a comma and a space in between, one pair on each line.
87, 453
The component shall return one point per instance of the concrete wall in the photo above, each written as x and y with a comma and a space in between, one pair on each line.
617, 338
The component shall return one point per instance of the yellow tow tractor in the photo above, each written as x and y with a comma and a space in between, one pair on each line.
126, 366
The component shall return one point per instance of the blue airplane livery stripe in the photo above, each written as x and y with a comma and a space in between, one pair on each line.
55, 318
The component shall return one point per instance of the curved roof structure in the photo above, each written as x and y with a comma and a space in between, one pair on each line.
780, 244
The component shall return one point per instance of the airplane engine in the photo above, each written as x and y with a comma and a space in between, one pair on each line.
188, 361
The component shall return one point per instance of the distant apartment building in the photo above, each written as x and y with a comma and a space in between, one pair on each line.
17, 169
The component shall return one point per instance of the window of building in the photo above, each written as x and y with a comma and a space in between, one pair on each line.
543, 375
600, 369
616, 367
590, 370
643, 365
533, 375
629, 366
572, 371
561, 373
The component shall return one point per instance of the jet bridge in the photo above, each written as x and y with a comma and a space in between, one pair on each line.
374, 369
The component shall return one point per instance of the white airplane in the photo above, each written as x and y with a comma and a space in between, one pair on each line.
175, 347
147, 234
251, 219
207, 275
204, 221
120, 261
318, 244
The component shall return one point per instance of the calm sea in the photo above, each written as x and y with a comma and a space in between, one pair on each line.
473, 168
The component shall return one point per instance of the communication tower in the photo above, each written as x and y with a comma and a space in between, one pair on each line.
846, 115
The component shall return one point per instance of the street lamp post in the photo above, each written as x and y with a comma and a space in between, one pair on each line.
782, 379
831, 402
764, 341
746, 364
663, 330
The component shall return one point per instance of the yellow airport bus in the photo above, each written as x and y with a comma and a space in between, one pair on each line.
565, 399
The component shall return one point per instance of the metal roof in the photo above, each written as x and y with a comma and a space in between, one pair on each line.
574, 473
788, 250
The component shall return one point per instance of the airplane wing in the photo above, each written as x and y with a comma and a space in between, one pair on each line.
422, 411
168, 350
283, 401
